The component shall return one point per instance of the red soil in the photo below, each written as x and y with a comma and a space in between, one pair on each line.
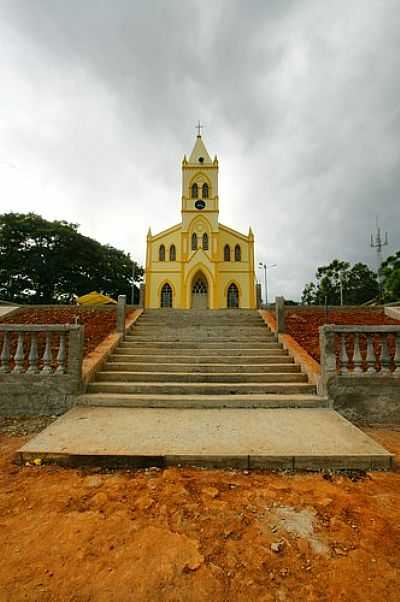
98, 322
194, 535
303, 325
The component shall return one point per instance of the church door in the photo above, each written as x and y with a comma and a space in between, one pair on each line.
166, 296
199, 293
233, 296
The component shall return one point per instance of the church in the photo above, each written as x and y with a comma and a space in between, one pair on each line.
200, 263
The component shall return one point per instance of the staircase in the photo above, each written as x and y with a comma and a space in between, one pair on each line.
204, 388
201, 359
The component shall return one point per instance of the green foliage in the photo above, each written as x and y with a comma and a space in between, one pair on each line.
359, 284
49, 262
391, 277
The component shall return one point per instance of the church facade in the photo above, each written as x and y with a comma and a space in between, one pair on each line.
200, 263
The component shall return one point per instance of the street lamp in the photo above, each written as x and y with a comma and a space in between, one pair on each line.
266, 267
341, 286
133, 283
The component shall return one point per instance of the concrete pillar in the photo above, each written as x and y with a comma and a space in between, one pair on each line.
258, 295
121, 306
327, 348
76, 339
280, 314
141, 294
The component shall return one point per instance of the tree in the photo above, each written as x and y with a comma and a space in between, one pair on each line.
359, 284
50, 262
391, 277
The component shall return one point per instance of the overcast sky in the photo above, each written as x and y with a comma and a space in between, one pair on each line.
300, 100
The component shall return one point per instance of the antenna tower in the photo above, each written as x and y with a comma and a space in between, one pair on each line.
378, 243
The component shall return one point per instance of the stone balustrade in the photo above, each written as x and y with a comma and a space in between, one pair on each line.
360, 350
360, 371
41, 349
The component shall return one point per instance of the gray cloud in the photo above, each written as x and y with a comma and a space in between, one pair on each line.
300, 100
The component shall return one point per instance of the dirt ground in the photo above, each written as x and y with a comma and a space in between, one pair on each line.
195, 535
303, 325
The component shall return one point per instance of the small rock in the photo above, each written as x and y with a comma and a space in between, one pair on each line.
210, 491
144, 502
277, 546
284, 572
93, 482
246, 472
340, 552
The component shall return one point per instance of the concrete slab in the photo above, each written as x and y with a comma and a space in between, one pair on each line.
6, 309
393, 312
306, 439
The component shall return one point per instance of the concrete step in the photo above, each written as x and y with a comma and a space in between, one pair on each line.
201, 353
201, 338
207, 321
198, 345
193, 314
290, 439
214, 330
190, 377
200, 388
272, 357
257, 325
244, 369
268, 400
194, 333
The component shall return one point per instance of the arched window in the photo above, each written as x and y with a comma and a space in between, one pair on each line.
233, 297
195, 191
205, 241
227, 253
205, 191
172, 253
166, 296
161, 253
238, 253
194, 241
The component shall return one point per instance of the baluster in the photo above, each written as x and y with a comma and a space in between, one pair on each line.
47, 356
19, 355
385, 357
371, 358
344, 360
33, 356
61, 355
5, 355
397, 355
357, 359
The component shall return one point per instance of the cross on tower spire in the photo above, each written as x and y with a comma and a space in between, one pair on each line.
199, 127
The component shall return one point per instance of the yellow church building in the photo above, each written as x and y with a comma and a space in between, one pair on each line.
200, 263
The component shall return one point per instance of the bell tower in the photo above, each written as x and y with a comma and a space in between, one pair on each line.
199, 185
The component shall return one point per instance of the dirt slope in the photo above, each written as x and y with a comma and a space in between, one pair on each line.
194, 535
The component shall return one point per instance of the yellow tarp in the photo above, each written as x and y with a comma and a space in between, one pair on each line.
94, 297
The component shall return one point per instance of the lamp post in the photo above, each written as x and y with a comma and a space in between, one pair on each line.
266, 267
341, 286
133, 283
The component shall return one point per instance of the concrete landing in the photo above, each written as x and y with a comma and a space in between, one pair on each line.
6, 309
300, 439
